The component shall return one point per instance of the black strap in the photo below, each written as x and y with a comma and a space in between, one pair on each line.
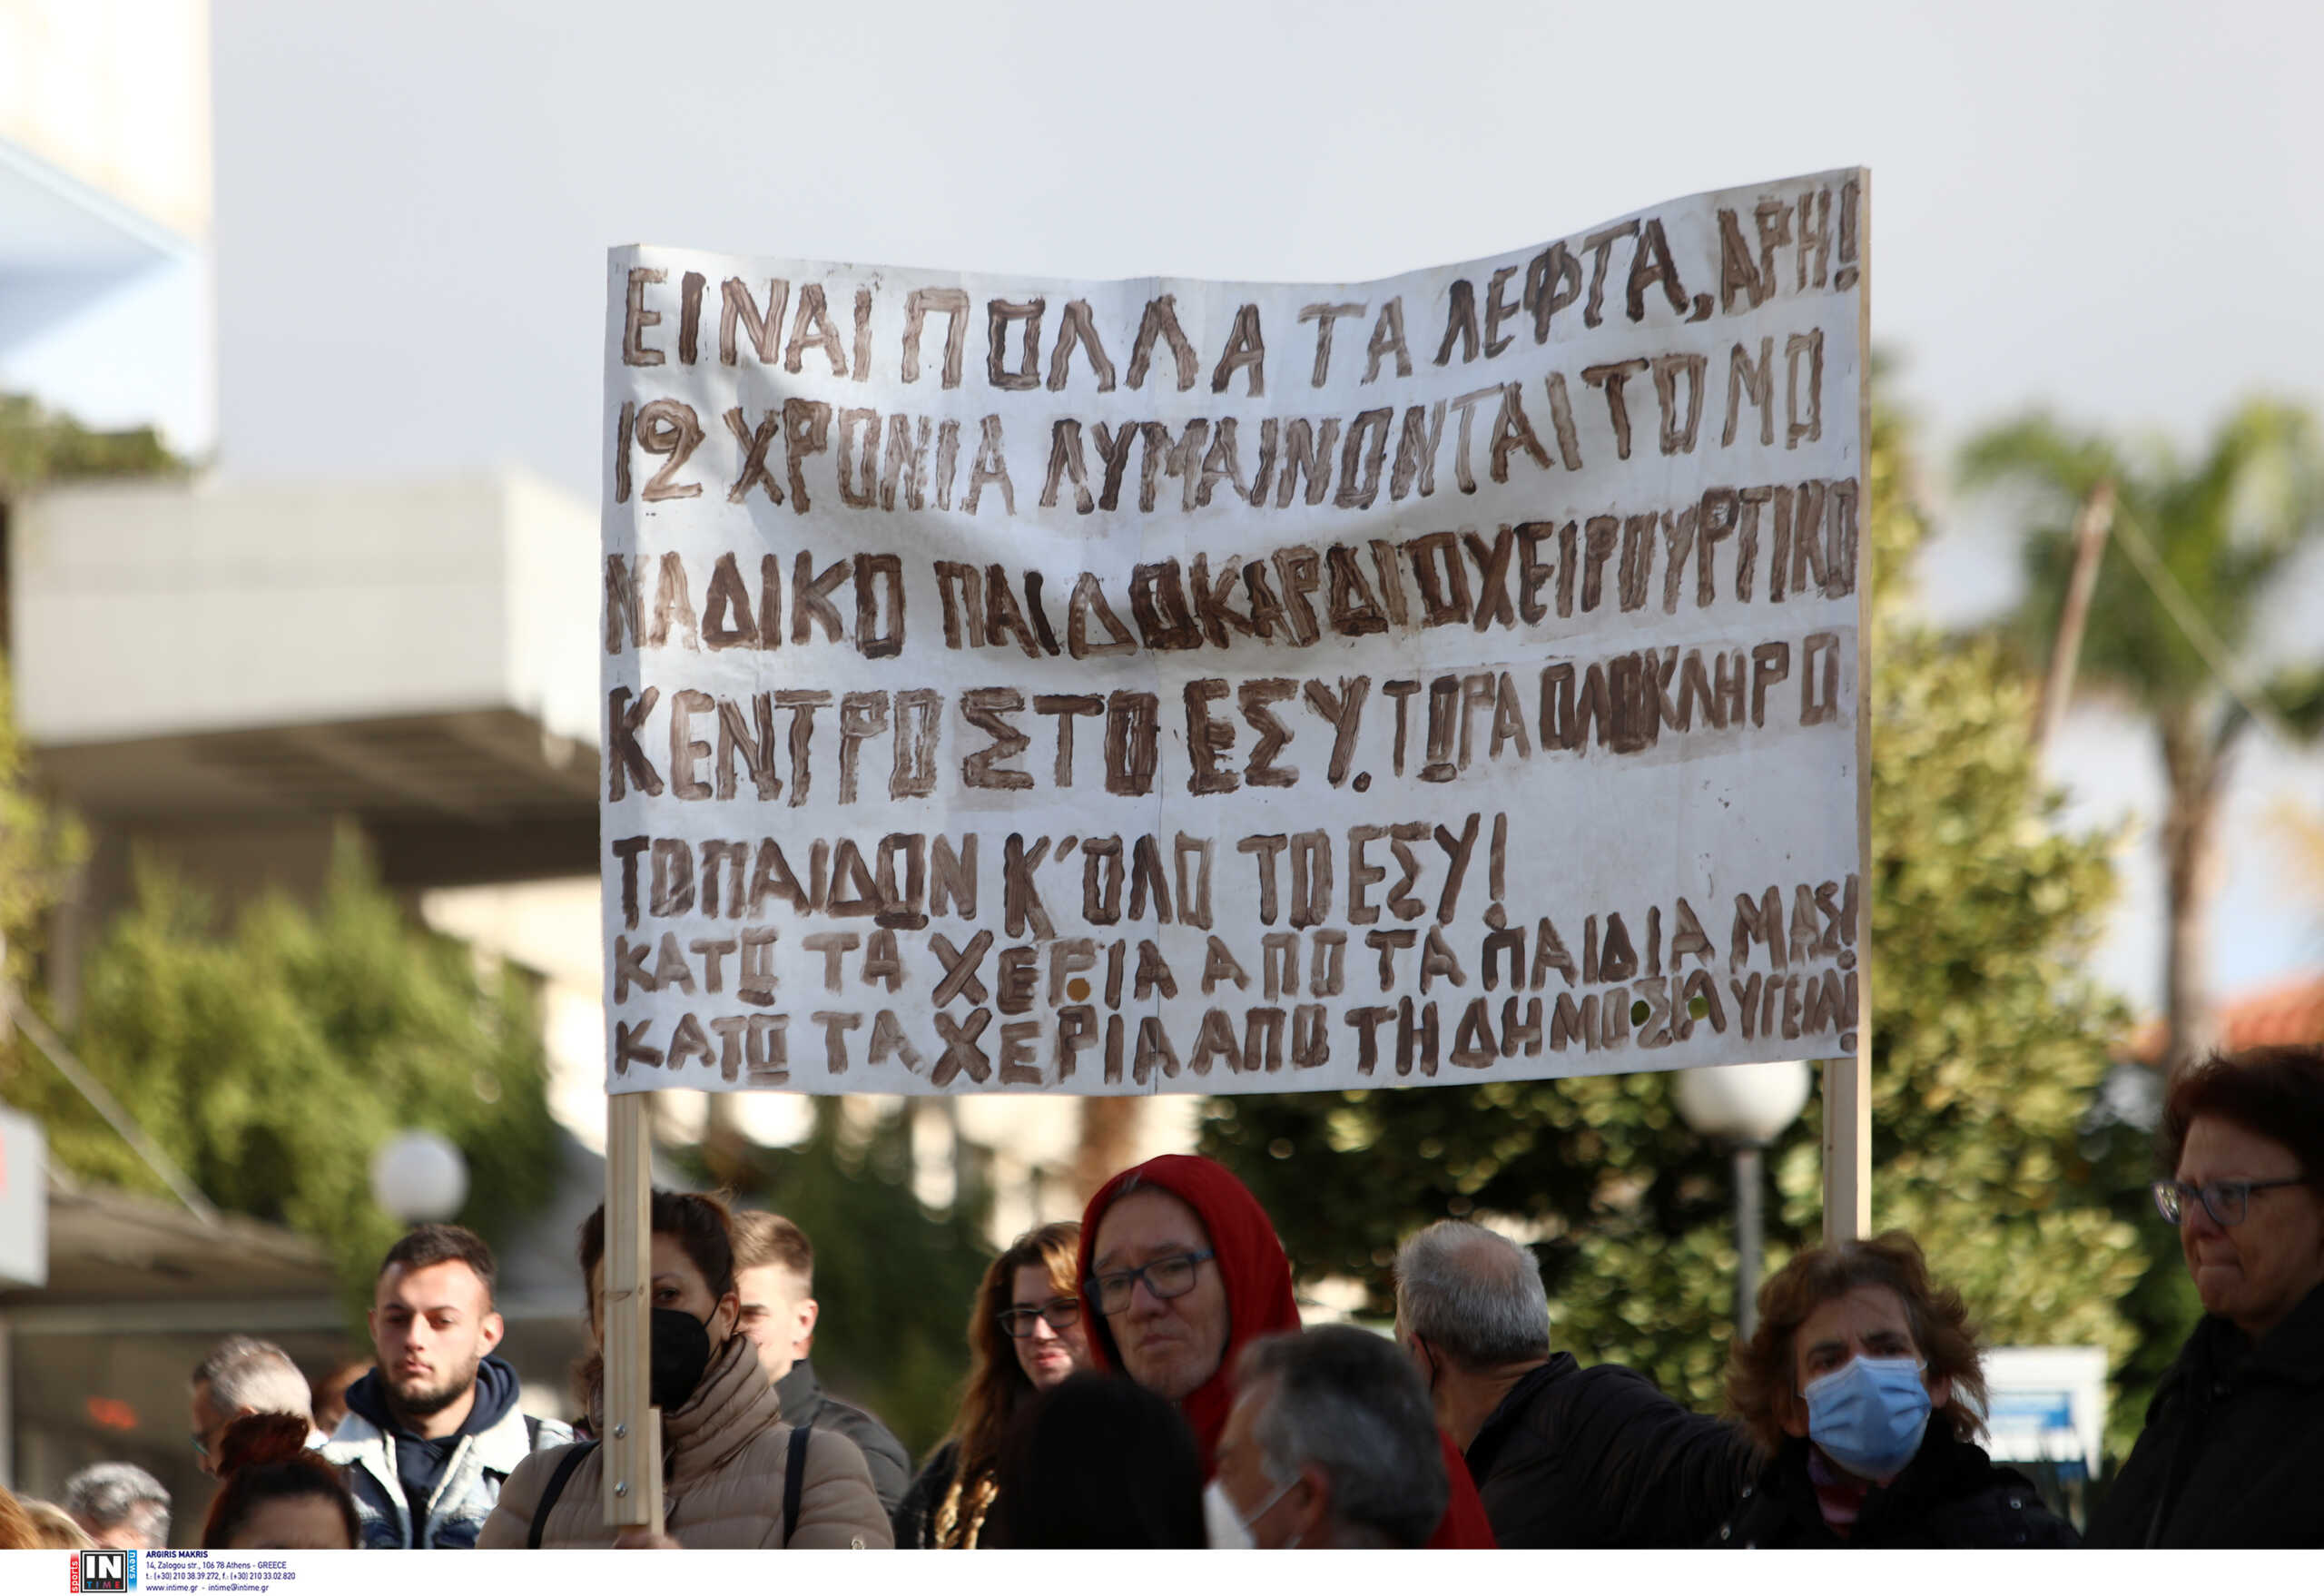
794, 1477
565, 1467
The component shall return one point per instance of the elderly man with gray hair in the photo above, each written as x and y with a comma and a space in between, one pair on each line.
242, 1375
1330, 1445
120, 1506
1562, 1455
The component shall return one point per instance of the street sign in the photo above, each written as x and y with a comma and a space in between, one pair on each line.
2048, 1405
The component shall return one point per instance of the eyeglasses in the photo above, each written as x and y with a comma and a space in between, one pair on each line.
1061, 1312
1166, 1277
2226, 1201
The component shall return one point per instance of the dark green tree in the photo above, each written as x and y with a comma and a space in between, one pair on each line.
39, 845
269, 1062
1988, 1045
38, 446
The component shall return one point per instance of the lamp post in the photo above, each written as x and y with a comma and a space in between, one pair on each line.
419, 1175
1747, 1106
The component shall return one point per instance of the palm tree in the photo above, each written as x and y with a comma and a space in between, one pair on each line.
2171, 618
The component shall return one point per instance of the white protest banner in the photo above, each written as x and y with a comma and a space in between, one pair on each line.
1164, 685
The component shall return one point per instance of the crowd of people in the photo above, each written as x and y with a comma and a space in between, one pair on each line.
1141, 1378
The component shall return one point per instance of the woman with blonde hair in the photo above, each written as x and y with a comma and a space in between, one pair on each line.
1025, 1337
52, 1528
18, 1532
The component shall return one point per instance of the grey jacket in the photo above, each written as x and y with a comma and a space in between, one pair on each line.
463, 1498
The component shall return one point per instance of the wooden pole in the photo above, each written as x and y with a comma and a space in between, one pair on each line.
1847, 1081
633, 1437
2090, 526
1847, 1142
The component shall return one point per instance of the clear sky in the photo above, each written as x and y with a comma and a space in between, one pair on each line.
2108, 208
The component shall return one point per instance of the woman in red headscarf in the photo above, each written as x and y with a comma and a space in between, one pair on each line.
1180, 1269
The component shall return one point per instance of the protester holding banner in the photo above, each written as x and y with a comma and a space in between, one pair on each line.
1181, 1270
275, 1495
1561, 1455
1025, 1336
735, 1475
2233, 1447
1864, 1385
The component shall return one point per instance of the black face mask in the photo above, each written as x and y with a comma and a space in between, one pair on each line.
680, 1355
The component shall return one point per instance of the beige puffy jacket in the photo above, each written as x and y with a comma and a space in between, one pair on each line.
725, 1454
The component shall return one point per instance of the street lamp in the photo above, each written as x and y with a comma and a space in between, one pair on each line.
419, 1176
1746, 1105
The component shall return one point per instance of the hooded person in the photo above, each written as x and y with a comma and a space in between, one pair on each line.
434, 1430
1181, 1270
734, 1476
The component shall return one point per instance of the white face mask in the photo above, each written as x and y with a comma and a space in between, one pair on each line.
1229, 1529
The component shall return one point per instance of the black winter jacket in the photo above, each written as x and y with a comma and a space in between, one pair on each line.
1950, 1496
915, 1519
1600, 1457
2232, 1454
805, 1402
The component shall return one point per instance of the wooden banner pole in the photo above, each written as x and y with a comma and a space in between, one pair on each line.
1847, 1141
1847, 1081
633, 1437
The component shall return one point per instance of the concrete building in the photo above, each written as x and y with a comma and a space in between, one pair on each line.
217, 675
106, 208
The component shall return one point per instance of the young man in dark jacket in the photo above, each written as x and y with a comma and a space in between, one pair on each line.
434, 1429
1562, 1455
774, 1274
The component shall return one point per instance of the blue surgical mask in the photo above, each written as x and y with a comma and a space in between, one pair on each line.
1869, 1414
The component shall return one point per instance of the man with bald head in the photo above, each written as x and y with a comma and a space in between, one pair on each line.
1562, 1455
